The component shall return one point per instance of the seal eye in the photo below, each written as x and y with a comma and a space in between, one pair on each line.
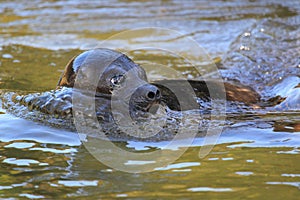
117, 80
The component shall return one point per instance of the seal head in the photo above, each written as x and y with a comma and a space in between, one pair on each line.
119, 75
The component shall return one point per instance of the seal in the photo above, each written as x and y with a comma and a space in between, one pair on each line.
114, 75
135, 94
123, 84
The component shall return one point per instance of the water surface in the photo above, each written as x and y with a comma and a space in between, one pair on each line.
257, 155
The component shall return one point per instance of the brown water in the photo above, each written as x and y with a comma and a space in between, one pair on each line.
256, 157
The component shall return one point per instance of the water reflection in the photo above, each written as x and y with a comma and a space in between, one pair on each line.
80, 174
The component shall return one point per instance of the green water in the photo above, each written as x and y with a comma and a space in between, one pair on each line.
256, 157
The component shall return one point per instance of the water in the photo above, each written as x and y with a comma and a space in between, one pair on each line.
257, 155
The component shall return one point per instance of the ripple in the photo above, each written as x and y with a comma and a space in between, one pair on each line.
179, 165
81, 183
20, 162
6, 55
291, 175
294, 151
20, 145
209, 189
5, 187
31, 196
139, 162
12, 129
296, 184
71, 150
244, 173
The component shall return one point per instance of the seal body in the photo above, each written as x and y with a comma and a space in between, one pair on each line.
122, 97
122, 85
122, 74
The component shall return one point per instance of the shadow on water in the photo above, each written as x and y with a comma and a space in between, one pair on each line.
257, 155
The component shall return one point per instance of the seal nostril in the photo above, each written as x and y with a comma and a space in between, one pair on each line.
151, 95
157, 94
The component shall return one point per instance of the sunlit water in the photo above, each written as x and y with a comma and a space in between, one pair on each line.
257, 155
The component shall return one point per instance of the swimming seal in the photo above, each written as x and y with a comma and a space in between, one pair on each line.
135, 95
123, 97
149, 93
